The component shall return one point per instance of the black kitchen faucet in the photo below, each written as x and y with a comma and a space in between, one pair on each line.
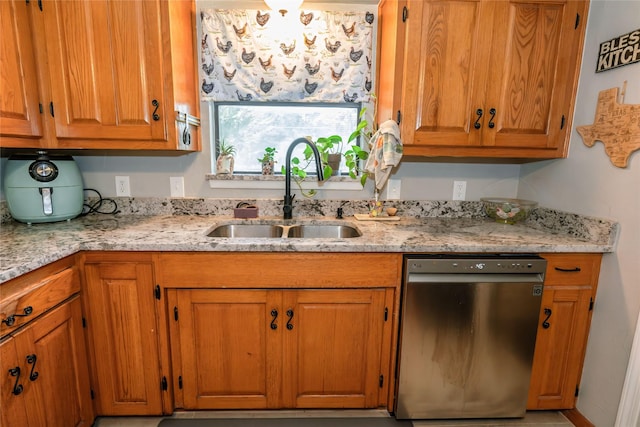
288, 198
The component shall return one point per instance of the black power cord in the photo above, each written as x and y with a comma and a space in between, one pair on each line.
95, 207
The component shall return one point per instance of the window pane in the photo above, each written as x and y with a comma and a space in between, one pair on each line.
250, 128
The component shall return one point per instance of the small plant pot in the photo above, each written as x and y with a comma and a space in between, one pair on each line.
334, 161
224, 165
267, 168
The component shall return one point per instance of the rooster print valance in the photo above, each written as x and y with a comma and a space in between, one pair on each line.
313, 56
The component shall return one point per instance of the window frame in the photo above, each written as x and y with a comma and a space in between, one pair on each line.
358, 107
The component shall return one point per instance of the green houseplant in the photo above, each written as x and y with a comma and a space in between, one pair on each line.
225, 160
329, 148
268, 160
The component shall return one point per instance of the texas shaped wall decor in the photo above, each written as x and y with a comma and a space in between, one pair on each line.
616, 125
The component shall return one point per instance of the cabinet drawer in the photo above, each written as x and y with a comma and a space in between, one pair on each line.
37, 298
572, 269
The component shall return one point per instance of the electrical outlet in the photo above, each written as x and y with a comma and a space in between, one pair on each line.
459, 190
123, 188
177, 186
393, 189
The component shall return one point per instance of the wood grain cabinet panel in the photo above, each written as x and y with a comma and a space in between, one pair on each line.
113, 74
122, 327
565, 316
488, 79
53, 375
241, 349
20, 119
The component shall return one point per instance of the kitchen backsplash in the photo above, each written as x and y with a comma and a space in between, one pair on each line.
597, 230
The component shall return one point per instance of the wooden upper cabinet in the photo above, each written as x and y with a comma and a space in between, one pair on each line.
106, 70
483, 78
117, 74
20, 118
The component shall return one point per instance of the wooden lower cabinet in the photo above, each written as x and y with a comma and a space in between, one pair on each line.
44, 372
565, 316
271, 348
123, 334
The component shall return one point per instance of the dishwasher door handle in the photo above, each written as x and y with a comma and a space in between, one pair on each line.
463, 278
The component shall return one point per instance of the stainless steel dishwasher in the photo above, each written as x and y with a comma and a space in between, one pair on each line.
468, 331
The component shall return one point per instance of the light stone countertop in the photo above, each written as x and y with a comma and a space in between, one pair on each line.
24, 248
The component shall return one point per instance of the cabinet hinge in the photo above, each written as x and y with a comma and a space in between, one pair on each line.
577, 21
386, 314
577, 390
590, 303
40, 107
163, 384
398, 117
51, 109
381, 381
180, 382
84, 322
175, 313
405, 14
157, 292
93, 395
562, 122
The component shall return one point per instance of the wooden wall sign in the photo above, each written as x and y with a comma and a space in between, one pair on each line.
616, 125
623, 50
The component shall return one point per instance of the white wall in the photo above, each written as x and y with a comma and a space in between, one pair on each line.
589, 184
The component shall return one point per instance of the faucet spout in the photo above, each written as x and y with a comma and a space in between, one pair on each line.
288, 198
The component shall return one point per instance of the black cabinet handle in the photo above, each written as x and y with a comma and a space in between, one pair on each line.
10, 320
17, 387
493, 116
479, 112
186, 136
290, 315
545, 322
274, 314
31, 360
568, 270
156, 104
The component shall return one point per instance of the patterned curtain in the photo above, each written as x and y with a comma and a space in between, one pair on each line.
318, 56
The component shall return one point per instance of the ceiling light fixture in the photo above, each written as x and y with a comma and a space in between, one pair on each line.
283, 6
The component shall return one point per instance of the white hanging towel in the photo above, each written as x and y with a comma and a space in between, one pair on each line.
386, 152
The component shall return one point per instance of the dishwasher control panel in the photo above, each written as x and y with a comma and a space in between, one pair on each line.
476, 264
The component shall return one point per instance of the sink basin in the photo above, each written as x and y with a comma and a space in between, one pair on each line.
297, 231
247, 230
320, 231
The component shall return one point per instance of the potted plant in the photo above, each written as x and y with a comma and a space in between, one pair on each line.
330, 148
268, 160
225, 160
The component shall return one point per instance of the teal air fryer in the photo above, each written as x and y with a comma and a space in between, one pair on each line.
42, 187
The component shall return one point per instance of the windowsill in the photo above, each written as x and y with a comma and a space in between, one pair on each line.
274, 182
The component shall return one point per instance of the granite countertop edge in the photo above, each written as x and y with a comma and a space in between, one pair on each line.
25, 248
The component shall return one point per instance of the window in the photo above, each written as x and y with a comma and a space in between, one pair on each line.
251, 127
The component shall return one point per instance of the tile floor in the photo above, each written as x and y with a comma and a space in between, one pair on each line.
532, 419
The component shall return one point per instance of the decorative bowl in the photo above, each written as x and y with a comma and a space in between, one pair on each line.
507, 211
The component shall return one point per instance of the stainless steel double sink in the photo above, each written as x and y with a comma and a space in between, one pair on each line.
311, 230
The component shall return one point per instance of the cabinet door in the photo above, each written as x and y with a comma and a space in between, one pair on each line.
534, 62
332, 348
123, 336
106, 75
12, 387
560, 346
230, 348
19, 97
55, 356
444, 73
